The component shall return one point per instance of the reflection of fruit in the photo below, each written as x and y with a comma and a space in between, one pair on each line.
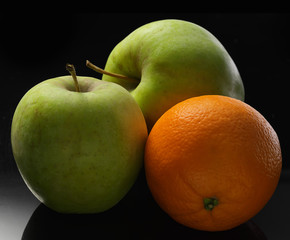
212, 162
123, 222
81, 151
172, 60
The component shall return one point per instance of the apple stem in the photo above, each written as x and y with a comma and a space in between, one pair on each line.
72, 71
102, 71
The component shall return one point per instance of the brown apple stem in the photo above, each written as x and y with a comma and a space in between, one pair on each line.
102, 71
72, 71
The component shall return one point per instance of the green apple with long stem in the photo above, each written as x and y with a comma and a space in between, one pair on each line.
168, 61
78, 144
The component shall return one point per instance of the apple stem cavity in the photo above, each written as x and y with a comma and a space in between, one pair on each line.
72, 71
102, 71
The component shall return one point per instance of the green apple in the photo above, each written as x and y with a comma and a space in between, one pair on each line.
78, 151
168, 61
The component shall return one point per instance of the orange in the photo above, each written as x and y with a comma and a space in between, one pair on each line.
212, 162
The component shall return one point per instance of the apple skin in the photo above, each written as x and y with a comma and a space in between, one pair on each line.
78, 152
172, 60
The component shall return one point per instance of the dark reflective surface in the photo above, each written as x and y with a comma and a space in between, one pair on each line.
122, 223
16, 206
137, 216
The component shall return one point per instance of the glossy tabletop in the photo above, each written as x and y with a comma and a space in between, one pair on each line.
137, 216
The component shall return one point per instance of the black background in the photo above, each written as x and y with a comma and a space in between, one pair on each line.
35, 47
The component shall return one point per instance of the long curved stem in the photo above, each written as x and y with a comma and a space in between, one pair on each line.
102, 71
